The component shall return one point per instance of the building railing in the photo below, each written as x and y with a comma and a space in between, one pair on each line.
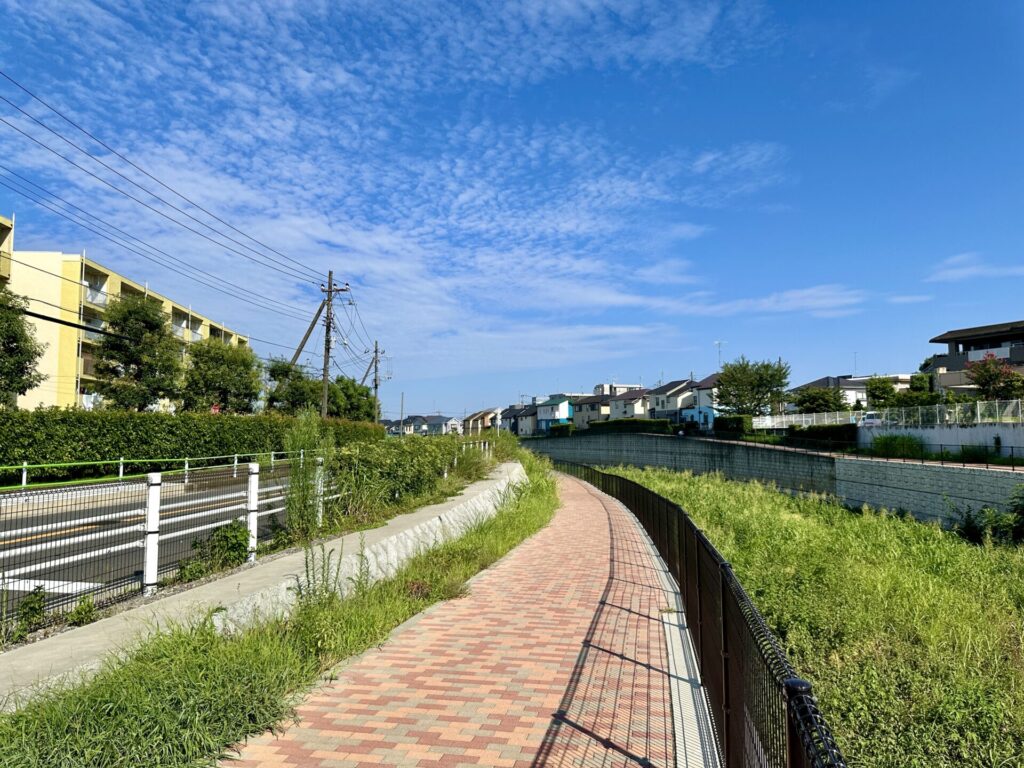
95, 296
957, 414
763, 713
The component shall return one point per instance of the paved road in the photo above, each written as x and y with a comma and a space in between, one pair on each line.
53, 537
561, 654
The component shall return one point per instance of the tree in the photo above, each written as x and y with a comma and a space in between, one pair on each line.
820, 400
19, 350
753, 388
219, 374
880, 391
920, 393
293, 391
141, 364
995, 379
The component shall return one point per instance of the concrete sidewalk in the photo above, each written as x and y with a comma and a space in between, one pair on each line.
253, 591
570, 651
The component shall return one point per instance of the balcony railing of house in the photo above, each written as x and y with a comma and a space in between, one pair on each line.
95, 295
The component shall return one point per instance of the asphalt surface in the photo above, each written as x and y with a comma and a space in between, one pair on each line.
89, 539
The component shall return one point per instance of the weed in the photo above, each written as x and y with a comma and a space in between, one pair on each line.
84, 612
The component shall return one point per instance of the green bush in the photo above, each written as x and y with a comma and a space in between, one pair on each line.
56, 435
561, 430
898, 447
83, 613
690, 427
822, 435
741, 424
647, 426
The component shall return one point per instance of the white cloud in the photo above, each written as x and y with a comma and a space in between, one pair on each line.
909, 299
970, 265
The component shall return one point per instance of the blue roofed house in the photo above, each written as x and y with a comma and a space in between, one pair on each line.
557, 409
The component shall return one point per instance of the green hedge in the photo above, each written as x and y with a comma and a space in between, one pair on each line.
55, 436
561, 430
742, 424
648, 426
397, 468
814, 436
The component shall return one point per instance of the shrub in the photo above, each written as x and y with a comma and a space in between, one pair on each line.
690, 427
979, 454
55, 435
647, 426
741, 424
818, 435
83, 613
561, 430
898, 446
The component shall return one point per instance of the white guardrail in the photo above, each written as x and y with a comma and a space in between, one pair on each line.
962, 414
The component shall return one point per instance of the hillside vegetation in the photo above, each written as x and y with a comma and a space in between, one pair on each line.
911, 636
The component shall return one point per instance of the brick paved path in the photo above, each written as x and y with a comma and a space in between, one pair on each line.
530, 669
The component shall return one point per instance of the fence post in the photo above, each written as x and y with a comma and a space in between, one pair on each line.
271, 459
24, 474
120, 468
252, 507
152, 535
724, 573
186, 471
302, 457
319, 492
795, 688
234, 467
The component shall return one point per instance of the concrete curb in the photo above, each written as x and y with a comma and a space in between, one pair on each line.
251, 593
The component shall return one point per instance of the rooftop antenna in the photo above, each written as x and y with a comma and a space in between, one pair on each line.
720, 344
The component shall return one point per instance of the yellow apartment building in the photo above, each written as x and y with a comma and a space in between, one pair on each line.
6, 247
76, 289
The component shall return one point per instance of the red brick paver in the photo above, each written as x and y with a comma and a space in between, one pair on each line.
555, 658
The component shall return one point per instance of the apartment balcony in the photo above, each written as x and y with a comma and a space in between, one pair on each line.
95, 295
89, 366
94, 334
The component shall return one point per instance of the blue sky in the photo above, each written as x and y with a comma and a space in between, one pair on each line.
534, 196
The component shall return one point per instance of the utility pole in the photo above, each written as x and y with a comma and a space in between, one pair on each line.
330, 290
401, 417
376, 379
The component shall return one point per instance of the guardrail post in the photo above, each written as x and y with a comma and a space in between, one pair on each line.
234, 469
271, 459
319, 492
120, 468
24, 474
151, 542
186, 471
302, 457
252, 507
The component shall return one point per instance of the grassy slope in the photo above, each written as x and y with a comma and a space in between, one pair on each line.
183, 696
912, 637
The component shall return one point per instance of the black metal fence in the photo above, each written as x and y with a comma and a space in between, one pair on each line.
763, 713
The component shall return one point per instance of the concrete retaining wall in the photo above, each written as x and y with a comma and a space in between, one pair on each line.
927, 491
1011, 436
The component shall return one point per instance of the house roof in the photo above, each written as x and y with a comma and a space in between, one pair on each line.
592, 399
530, 410
630, 396
511, 412
672, 388
555, 400
825, 382
481, 414
980, 331
709, 382
439, 419
415, 420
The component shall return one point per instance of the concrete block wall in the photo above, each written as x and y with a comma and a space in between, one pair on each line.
923, 490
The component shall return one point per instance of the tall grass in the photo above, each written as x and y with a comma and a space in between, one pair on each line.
183, 696
913, 638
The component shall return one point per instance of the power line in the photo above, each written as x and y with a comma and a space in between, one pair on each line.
140, 169
35, 197
291, 272
69, 217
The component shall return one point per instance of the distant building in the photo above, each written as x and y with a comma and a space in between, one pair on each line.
78, 290
852, 388
6, 249
477, 422
510, 418
670, 400
1004, 340
526, 421
590, 409
443, 425
704, 406
631, 404
557, 409
614, 389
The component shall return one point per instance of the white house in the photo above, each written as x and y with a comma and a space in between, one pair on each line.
629, 405
669, 400
443, 425
526, 421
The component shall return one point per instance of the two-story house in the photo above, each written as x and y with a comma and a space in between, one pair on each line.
510, 418
478, 421
1003, 340
591, 408
557, 409
526, 421
668, 401
443, 425
629, 405
703, 407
